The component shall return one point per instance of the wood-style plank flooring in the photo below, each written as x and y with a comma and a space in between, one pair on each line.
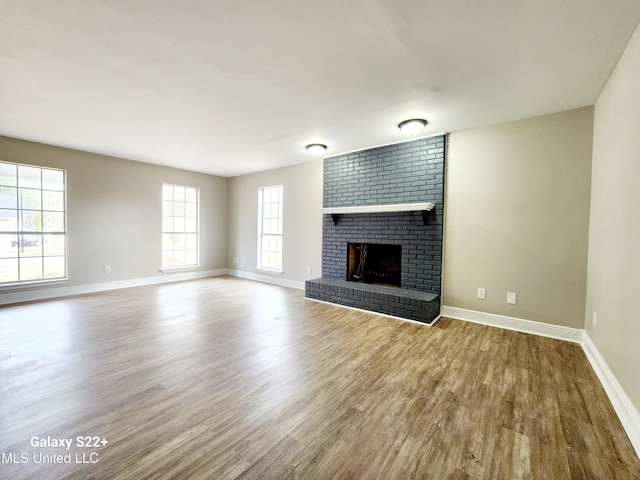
226, 378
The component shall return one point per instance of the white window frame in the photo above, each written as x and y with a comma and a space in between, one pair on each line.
180, 237
270, 228
39, 230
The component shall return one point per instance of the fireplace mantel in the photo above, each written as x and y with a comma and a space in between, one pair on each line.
335, 212
398, 207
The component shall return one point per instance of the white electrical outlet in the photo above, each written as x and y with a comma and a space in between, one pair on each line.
308, 270
482, 293
511, 298
595, 319
235, 259
107, 269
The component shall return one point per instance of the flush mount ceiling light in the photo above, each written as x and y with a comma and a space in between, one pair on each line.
316, 149
412, 127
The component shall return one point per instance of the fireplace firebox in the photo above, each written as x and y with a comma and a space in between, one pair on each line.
374, 263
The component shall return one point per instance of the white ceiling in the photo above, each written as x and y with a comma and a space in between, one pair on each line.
229, 87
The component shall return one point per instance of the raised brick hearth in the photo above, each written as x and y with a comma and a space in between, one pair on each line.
400, 302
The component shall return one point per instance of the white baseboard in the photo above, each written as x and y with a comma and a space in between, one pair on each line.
55, 292
266, 278
627, 413
511, 323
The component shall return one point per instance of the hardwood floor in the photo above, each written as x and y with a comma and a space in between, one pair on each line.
225, 378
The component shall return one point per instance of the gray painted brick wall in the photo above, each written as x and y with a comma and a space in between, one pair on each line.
421, 244
410, 172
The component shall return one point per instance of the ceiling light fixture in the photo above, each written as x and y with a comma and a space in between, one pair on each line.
412, 127
316, 149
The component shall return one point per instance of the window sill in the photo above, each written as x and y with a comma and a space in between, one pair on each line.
272, 271
179, 269
33, 284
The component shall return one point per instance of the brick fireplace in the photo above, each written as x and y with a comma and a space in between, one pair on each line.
384, 185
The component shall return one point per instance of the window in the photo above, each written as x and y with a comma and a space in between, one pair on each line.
32, 224
180, 243
270, 228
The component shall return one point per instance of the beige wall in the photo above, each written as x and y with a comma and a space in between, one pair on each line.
302, 244
614, 235
517, 217
114, 212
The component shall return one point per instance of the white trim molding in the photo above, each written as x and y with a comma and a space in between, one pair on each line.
627, 413
47, 293
34, 294
511, 323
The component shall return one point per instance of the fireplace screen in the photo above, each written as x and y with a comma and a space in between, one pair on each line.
374, 263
